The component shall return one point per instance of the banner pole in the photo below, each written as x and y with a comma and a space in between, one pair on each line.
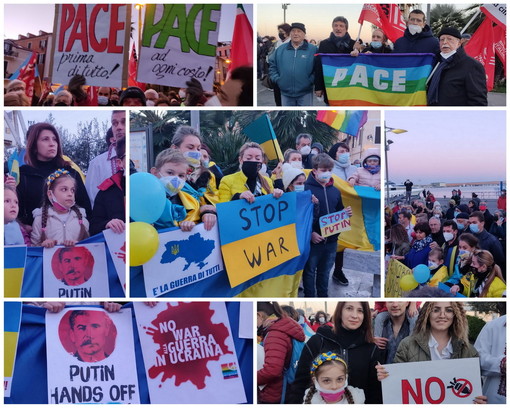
470, 21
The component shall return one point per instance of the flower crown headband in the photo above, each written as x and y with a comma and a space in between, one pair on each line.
55, 175
322, 358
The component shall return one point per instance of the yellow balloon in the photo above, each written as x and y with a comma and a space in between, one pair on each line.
144, 243
407, 282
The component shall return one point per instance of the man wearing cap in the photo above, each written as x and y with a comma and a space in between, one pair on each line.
417, 37
132, 96
291, 67
339, 42
457, 79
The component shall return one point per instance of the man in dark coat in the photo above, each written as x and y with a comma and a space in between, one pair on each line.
339, 42
417, 37
457, 79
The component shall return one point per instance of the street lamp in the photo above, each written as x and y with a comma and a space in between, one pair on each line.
387, 143
139, 7
284, 7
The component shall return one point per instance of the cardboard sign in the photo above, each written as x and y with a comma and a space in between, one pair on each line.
91, 40
79, 271
189, 353
14, 268
334, 223
179, 43
12, 322
395, 271
116, 244
182, 259
91, 357
433, 382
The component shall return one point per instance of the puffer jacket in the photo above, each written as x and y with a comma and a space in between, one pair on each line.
236, 184
363, 177
277, 352
416, 348
418, 43
55, 228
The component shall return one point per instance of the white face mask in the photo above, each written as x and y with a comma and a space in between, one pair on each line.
214, 101
305, 150
172, 184
299, 187
150, 103
297, 164
182, 94
102, 100
448, 236
324, 176
414, 29
449, 54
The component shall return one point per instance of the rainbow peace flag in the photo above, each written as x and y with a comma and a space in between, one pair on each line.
376, 79
14, 268
261, 131
12, 321
348, 121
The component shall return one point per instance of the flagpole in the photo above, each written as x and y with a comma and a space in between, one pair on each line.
470, 21
359, 32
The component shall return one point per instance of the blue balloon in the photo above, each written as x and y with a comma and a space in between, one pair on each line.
147, 197
421, 273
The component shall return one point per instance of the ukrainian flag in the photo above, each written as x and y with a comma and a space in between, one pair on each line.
14, 267
376, 79
261, 131
15, 162
12, 321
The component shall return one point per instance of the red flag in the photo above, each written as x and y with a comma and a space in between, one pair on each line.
496, 12
241, 51
27, 75
500, 44
92, 95
132, 70
385, 16
481, 48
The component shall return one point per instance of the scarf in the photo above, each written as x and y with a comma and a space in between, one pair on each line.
350, 338
196, 194
433, 91
341, 42
13, 234
422, 243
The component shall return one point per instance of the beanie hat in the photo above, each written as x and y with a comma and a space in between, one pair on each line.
290, 174
450, 31
463, 216
132, 92
299, 26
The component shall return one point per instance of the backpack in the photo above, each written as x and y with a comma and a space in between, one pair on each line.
289, 373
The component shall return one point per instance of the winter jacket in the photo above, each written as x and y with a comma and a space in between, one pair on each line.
330, 201
363, 177
55, 228
277, 352
236, 184
415, 348
462, 82
293, 69
468, 282
344, 172
423, 42
358, 397
109, 203
30, 189
362, 357
385, 49
490, 243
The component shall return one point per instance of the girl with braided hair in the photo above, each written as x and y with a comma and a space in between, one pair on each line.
59, 221
329, 376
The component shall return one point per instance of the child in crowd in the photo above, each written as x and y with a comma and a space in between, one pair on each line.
438, 270
420, 249
329, 376
369, 174
59, 221
14, 233
462, 273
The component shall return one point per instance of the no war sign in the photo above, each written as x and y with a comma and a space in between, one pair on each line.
433, 382
91, 40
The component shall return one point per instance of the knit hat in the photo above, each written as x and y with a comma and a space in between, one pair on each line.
132, 92
299, 26
450, 31
290, 174
463, 216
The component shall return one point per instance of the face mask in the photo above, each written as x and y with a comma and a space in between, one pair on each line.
214, 101
433, 265
324, 176
299, 187
206, 163
483, 207
463, 253
263, 169
455, 213
172, 184
446, 55
314, 152
296, 164
57, 205
372, 169
193, 158
305, 150
474, 228
322, 320
150, 103
459, 225
281, 36
330, 395
448, 236
344, 158
437, 216
102, 100
376, 44
414, 29
182, 94
250, 169
357, 164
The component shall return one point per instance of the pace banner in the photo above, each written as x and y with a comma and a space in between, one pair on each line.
91, 40
456, 381
179, 43
12, 321
14, 268
376, 79
91, 357
189, 353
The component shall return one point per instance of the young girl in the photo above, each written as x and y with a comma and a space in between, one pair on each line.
59, 221
329, 376
14, 234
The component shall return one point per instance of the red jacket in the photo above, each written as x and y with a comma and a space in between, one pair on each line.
277, 352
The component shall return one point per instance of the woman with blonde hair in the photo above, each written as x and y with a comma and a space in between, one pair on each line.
487, 280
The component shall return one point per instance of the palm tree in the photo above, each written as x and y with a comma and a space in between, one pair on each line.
446, 15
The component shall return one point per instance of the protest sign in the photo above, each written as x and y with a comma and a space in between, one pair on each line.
183, 258
394, 273
116, 244
376, 79
14, 269
189, 360
334, 223
78, 271
91, 40
257, 237
433, 382
91, 357
12, 322
178, 44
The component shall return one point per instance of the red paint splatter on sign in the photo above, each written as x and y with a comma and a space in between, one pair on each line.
187, 341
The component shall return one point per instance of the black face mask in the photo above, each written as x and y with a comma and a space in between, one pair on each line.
251, 169
282, 36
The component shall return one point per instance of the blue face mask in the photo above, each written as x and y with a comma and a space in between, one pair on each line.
376, 44
299, 187
459, 226
344, 158
474, 228
456, 213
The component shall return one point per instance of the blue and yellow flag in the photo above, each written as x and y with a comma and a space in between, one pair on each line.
15, 162
261, 131
14, 267
12, 321
376, 79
